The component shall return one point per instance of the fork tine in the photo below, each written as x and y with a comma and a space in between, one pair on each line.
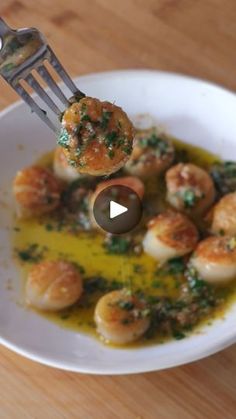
31, 80
33, 105
63, 74
46, 76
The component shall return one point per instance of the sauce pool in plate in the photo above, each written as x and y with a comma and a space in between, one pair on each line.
112, 262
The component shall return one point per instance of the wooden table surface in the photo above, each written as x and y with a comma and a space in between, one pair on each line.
196, 37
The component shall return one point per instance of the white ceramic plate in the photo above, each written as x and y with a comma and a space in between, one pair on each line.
193, 110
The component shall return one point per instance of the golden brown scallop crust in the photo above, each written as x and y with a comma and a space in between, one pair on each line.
224, 215
100, 136
36, 190
175, 230
185, 178
121, 317
116, 313
60, 280
217, 250
132, 182
147, 161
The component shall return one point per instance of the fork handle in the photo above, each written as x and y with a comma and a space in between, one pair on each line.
4, 29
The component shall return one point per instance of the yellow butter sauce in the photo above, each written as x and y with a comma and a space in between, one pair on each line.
86, 249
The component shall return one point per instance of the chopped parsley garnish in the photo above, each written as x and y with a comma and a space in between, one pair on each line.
155, 142
79, 267
63, 139
175, 266
49, 227
120, 141
101, 284
110, 138
65, 316
157, 283
85, 118
111, 154
199, 288
138, 268
181, 155
125, 305
31, 254
83, 108
117, 245
127, 149
189, 198
106, 116
178, 335
73, 163
127, 321
224, 177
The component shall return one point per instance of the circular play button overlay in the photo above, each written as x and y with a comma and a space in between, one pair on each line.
117, 209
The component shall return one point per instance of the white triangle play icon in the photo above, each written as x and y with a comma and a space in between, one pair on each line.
116, 209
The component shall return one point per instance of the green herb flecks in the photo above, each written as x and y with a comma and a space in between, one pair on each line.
100, 284
189, 198
139, 269
125, 305
63, 139
49, 227
111, 154
110, 139
175, 266
83, 108
106, 116
31, 254
117, 245
224, 177
155, 142
79, 267
127, 149
73, 163
85, 118
178, 335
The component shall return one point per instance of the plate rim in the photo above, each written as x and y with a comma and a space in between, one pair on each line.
170, 74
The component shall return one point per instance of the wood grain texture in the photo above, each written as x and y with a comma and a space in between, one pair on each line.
196, 37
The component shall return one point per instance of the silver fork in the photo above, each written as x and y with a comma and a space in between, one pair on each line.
25, 50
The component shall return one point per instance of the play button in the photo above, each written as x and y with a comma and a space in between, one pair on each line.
117, 209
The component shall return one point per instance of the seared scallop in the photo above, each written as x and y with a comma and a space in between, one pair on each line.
53, 285
170, 235
224, 215
131, 182
152, 154
215, 259
189, 188
36, 191
97, 136
121, 318
62, 169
